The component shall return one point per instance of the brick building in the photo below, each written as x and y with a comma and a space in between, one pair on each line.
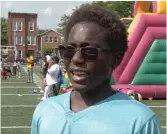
49, 39
22, 33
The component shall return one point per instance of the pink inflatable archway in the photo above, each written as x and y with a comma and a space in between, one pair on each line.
148, 28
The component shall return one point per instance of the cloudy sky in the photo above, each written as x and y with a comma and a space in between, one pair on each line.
49, 13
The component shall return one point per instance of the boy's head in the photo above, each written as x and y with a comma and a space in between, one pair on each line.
96, 41
55, 59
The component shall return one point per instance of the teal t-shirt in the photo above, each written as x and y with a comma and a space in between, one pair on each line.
117, 114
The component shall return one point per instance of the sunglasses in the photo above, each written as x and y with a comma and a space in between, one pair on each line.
88, 53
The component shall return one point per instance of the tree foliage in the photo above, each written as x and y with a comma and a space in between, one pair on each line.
122, 8
63, 22
4, 31
48, 49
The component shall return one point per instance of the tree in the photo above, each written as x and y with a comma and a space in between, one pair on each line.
4, 31
122, 8
40, 31
63, 22
47, 49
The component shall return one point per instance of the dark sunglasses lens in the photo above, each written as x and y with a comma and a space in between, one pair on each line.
68, 52
89, 53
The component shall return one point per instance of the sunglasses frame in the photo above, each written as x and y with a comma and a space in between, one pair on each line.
81, 51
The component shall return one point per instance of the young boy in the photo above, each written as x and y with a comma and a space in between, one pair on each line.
96, 41
30, 64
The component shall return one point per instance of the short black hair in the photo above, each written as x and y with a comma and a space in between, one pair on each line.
55, 59
115, 30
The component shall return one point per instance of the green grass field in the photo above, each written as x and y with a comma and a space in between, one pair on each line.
17, 110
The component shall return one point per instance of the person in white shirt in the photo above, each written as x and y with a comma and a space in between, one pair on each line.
1, 65
18, 68
52, 83
48, 57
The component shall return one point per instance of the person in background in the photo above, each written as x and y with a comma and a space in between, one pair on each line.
44, 67
48, 57
60, 79
9, 72
4, 73
40, 62
131, 93
1, 65
45, 64
96, 41
134, 95
30, 64
65, 75
18, 68
44, 72
52, 81
68, 88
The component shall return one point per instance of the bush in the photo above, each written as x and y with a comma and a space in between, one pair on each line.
49, 49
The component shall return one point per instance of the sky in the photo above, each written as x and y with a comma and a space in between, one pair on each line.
49, 12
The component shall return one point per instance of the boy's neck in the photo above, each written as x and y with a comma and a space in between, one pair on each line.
81, 101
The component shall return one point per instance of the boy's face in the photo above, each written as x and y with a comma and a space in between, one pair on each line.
51, 62
83, 74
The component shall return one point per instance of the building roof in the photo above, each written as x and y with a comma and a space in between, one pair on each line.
50, 31
17, 13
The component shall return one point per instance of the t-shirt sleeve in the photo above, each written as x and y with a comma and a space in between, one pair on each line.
152, 126
53, 69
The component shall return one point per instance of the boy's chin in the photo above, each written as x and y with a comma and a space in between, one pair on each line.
80, 88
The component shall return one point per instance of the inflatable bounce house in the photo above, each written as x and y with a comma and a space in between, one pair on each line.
143, 68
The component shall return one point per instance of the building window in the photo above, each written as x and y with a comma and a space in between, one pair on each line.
19, 39
20, 53
50, 39
55, 39
19, 26
46, 38
14, 40
14, 26
31, 40
28, 40
31, 26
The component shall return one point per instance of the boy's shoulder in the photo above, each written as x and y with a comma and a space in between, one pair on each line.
124, 103
53, 103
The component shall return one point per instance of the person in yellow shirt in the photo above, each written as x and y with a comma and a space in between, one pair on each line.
66, 75
30, 64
